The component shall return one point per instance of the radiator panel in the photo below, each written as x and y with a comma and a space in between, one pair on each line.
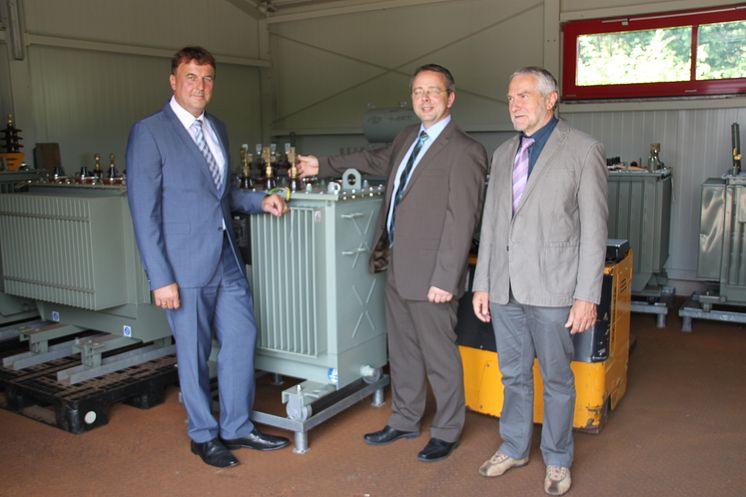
285, 283
640, 212
59, 249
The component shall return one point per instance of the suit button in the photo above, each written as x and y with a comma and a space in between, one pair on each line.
507, 248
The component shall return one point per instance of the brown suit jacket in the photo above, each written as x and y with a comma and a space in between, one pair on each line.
437, 215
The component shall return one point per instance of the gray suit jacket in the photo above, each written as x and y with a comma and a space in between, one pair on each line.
552, 250
177, 211
437, 216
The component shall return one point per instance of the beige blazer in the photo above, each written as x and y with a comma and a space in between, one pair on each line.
552, 250
439, 212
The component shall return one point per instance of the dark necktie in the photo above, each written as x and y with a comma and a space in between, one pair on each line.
403, 182
199, 139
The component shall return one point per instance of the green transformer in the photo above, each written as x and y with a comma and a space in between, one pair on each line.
71, 248
318, 308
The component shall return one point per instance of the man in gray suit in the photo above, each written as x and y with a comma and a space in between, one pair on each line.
540, 269
181, 199
423, 235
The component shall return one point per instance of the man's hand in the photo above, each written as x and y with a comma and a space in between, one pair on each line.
480, 303
308, 165
438, 296
582, 316
167, 297
275, 205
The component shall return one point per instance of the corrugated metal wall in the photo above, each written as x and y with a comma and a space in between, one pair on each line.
5, 97
91, 69
86, 101
695, 143
218, 25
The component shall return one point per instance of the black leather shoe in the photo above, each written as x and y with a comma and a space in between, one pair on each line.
388, 435
214, 453
436, 450
258, 441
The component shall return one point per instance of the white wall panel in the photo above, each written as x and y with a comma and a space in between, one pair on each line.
236, 101
218, 25
695, 143
328, 70
5, 97
87, 101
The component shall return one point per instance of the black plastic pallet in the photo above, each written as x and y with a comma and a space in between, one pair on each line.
12, 346
35, 392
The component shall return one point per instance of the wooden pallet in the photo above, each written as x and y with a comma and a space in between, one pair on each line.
34, 392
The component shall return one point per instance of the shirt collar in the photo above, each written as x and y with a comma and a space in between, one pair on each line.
544, 132
184, 116
436, 129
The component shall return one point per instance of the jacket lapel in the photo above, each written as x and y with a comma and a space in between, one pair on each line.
507, 183
554, 144
398, 158
188, 142
224, 149
427, 159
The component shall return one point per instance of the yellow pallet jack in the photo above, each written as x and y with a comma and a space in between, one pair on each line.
601, 354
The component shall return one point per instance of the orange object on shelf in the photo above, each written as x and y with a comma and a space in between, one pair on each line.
13, 160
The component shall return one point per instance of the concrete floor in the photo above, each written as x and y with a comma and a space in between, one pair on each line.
679, 431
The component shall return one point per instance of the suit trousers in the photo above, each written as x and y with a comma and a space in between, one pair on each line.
523, 332
225, 306
422, 344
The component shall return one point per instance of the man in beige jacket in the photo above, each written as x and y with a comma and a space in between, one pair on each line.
540, 269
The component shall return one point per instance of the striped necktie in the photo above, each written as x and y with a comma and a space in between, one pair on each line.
199, 139
403, 182
520, 171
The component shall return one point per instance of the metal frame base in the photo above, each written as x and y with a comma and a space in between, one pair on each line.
10, 331
308, 419
38, 334
91, 349
13, 318
80, 373
700, 306
655, 302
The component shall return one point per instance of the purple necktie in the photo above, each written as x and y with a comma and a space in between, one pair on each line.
520, 170
199, 139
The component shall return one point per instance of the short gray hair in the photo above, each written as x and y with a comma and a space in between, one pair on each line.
547, 82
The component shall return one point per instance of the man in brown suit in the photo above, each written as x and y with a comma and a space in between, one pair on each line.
434, 197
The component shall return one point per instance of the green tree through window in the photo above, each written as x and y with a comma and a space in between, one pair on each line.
656, 54
645, 56
721, 50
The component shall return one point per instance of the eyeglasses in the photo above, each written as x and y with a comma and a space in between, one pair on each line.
430, 92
